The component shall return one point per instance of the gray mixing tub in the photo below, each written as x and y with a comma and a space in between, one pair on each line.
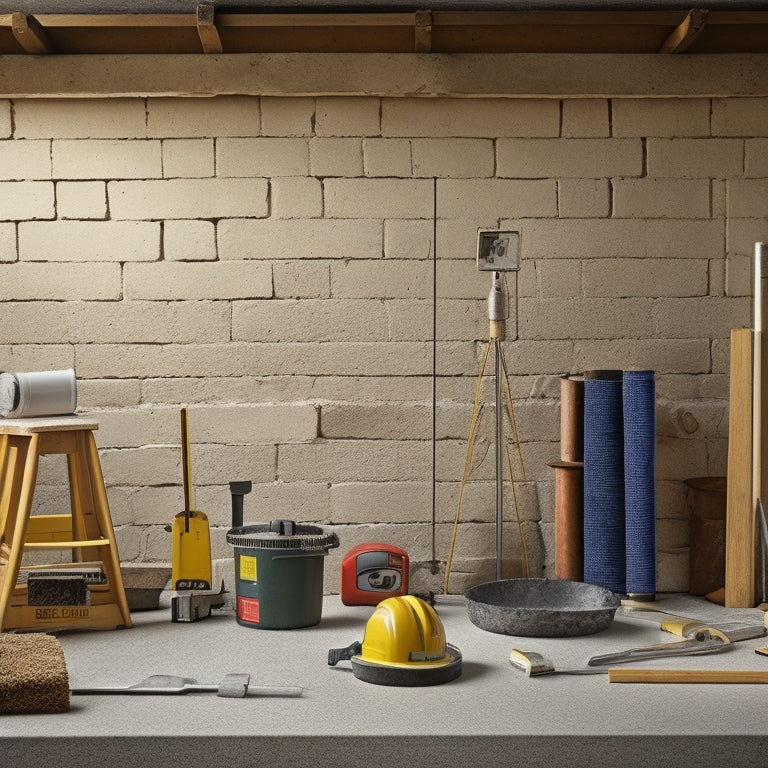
541, 607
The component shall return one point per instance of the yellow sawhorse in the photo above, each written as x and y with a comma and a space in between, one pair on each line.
87, 530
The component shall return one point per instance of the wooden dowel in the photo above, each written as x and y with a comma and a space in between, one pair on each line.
687, 676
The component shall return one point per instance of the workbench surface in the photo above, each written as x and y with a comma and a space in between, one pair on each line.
493, 715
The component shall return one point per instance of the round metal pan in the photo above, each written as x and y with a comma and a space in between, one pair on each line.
541, 607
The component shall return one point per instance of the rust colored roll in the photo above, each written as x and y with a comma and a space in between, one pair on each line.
569, 520
571, 419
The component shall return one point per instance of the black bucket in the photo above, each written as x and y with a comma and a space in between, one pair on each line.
279, 573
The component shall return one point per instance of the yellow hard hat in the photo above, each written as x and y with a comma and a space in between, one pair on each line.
404, 630
404, 644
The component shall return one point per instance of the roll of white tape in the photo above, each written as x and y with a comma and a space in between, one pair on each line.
40, 393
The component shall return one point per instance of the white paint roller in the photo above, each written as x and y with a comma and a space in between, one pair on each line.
40, 393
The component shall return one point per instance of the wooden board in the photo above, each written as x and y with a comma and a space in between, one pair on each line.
740, 511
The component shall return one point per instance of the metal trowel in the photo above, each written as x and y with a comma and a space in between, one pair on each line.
191, 549
534, 664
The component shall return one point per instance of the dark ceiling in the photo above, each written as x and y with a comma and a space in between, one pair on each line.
49, 27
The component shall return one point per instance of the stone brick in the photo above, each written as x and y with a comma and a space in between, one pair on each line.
711, 317
378, 198
620, 238
460, 158
661, 198
308, 320
301, 279
194, 281
408, 239
188, 158
335, 157
187, 198
381, 279
287, 117
549, 158
691, 158
363, 503
122, 323
492, 199
742, 234
106, 159
646, 277
299, 239
255, 424
189, 240
209, 117
461, 280
480, 118
36, 357
60, 282
583, 198
289, 388
740, 117
262, 156
8, 242
296, 197
387, 157
81, 200
124, 357
108, 393
347, 116
560, 279
341, 461
738, 275
584, 118
756, 158
746, 197
23, 200
376, 421
662, 355
113, 118
145, 466
660, 117
89, 241
6, 124
595, 318
25, 160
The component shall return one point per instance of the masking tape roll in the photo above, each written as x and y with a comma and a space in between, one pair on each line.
40, 393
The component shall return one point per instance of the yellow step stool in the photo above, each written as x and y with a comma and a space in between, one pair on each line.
87, 530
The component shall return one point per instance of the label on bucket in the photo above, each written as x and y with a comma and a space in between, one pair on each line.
248, 568
248, 609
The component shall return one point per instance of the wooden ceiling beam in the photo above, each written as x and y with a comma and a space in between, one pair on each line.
685, 34
29, 34
206, 29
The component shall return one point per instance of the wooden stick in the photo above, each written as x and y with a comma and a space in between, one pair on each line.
687, 676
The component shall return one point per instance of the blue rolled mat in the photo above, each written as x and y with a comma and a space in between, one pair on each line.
604, 529
639, 397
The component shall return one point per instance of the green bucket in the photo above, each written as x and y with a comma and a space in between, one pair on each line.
279, 573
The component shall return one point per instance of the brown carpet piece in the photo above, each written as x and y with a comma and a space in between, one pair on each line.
33, 674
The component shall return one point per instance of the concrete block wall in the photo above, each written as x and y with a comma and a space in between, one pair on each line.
269, 263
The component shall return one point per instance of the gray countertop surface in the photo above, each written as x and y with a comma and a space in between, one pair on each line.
492, 715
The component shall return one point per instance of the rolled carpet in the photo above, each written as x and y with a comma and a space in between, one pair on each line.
604, 532
33, 674
639, 403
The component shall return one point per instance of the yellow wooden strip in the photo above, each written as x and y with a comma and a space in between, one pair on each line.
49, 545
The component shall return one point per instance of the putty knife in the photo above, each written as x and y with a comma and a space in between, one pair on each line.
233, 686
